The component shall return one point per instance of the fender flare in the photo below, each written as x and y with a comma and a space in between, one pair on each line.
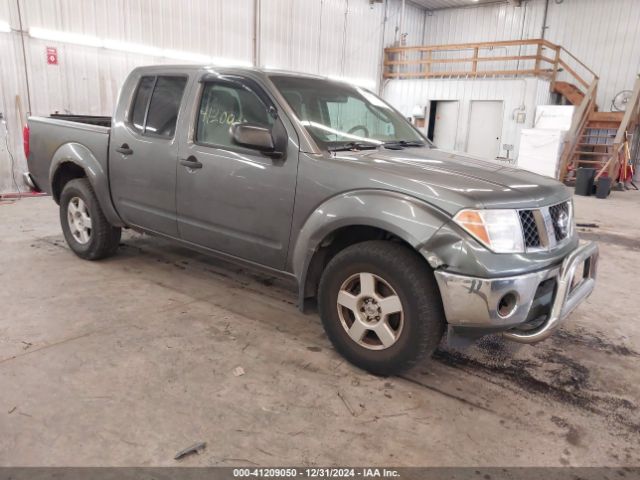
410, 219
81, 156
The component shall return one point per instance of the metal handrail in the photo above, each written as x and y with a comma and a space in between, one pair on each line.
629, 122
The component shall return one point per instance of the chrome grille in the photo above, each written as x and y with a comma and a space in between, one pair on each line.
544, 228
529, 229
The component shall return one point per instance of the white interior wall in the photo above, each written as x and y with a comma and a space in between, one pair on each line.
525, 93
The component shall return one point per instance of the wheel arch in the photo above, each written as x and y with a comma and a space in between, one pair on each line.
356, 217
74, 160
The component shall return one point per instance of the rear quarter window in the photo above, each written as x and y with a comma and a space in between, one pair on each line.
141, 102
156, 106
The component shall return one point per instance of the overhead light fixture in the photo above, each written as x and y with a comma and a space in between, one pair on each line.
65, 37
132, 48
127, 47
5, 27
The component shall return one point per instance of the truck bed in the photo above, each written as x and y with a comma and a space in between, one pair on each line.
61, 138
88, 119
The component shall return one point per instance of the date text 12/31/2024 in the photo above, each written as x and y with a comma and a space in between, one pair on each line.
315, 473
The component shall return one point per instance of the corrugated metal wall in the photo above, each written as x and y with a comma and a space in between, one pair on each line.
414, 21
330, 37
605, 35
488, 23
12, 83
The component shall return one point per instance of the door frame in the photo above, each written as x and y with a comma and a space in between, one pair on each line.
433, 108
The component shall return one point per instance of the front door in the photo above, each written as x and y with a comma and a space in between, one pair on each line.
143, 154
233, 199
485, 128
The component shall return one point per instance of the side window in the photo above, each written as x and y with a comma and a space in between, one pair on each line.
223, 105
164, 107
145, 87
155, 109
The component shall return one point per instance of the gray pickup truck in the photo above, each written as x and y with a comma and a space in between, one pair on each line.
395, 241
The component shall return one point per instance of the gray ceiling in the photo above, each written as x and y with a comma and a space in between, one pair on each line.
436, 4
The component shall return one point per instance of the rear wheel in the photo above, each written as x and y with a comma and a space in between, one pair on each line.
85, 228
381, 307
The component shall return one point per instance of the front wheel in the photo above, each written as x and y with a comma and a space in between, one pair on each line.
85, 228
381, 307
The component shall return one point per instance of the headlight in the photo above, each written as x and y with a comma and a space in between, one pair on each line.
498, 230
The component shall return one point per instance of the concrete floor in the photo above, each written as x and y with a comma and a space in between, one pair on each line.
128, 360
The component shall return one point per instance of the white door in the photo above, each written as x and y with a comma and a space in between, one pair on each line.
445, 126
485, 128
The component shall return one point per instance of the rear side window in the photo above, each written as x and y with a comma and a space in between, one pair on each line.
157, 113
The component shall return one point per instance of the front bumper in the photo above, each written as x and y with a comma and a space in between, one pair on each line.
527, 308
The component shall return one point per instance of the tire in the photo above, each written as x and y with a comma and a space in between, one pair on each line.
92, 237
395, 271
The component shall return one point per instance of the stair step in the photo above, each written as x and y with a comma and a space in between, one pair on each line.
607, 116
598, 136
603, 125
590, 161
607, 145
593, 154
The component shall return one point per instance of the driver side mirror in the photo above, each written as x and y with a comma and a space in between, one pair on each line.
256, 137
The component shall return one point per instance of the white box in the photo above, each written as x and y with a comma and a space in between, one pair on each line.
540, 150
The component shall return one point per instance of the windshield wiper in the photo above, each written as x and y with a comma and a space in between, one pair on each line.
353, 146
400, 144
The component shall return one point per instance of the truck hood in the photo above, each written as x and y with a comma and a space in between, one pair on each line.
452, 181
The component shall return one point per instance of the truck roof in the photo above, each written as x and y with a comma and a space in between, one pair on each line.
227, 69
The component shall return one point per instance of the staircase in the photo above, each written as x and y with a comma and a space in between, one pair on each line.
596, 141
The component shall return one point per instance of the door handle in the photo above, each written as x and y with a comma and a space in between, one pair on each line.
191, 162
124, 149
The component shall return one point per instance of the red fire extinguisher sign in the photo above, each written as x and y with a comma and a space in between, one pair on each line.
52, 56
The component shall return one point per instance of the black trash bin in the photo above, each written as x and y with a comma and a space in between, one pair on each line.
603, 188
584, 181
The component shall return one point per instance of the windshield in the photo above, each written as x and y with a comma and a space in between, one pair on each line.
338, 115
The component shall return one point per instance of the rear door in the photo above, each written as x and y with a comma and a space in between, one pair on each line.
234, 199
143, 154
